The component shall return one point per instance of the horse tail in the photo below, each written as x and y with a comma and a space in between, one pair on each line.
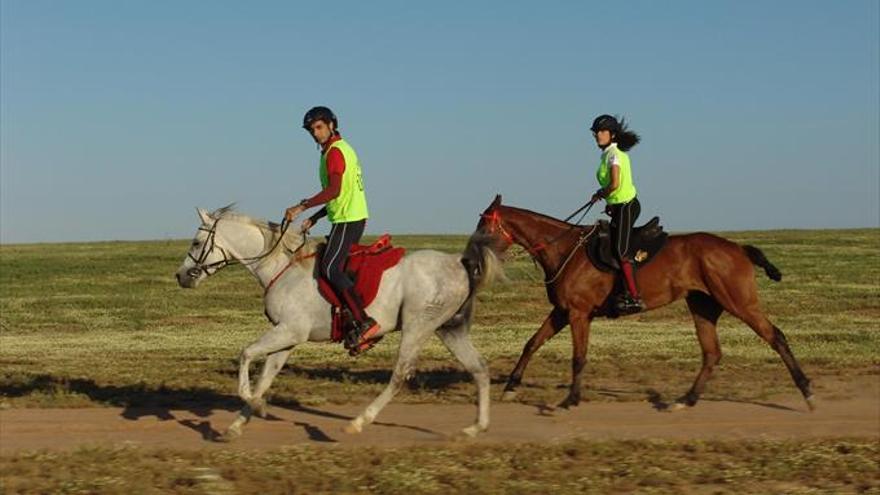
757, 257
482, 267
481, 263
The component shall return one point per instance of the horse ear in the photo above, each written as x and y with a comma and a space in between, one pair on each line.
496, 202
203, 216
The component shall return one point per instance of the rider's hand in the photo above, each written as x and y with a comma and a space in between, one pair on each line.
291, 213
306, 225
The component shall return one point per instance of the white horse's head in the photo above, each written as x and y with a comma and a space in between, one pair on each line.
223, 238
205, 255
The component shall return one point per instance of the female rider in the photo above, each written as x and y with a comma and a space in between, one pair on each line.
617, 189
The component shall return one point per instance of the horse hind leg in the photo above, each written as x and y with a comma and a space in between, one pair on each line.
459, 344
705, 312
750, 313
774, 336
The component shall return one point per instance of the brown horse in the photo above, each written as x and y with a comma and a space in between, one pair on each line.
712, 274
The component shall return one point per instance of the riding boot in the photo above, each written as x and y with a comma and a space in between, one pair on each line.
364, 329
629, 301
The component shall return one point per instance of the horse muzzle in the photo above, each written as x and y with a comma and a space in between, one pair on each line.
188, 279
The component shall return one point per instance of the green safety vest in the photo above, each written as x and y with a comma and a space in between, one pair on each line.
625, 191
351, 204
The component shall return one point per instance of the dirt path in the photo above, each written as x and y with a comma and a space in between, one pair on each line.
429, 424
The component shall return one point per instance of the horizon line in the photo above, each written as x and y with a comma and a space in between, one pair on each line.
459, 234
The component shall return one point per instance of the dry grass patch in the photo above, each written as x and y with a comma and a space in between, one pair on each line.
720, 467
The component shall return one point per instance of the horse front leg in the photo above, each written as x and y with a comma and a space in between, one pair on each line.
273, 364
580, 339
411, 342
555, 321
280, 337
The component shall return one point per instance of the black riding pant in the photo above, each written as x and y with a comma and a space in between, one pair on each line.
623, 217
342, 237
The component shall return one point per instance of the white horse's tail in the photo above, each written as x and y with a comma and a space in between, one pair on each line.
481, 262
482, 267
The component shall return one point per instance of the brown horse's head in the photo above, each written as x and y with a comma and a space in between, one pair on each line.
491, 225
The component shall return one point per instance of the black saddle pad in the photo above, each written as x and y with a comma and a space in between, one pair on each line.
645, 243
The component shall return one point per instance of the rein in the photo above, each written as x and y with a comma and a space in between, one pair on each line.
293, 261
581, 240
495, 223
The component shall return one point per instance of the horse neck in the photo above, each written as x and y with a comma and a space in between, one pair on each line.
245, 242
548, 240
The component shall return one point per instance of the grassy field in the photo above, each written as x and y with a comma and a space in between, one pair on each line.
104, 324
584, 467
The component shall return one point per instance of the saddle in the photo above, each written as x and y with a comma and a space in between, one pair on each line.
645, 243
366, 265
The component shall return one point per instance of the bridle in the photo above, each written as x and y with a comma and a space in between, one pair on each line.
206, 251
496, 226
227, 260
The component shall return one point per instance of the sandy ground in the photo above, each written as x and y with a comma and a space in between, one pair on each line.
195, 427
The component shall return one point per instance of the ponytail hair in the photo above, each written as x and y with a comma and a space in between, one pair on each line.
625, 138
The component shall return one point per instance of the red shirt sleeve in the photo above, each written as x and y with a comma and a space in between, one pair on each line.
335, 169
335, 162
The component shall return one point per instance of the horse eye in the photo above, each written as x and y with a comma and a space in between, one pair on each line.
195, 243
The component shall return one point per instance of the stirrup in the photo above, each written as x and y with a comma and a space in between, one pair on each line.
364, 347
627, 305
368, 329
362, 333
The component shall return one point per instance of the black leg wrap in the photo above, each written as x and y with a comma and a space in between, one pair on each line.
780, 345
690, 398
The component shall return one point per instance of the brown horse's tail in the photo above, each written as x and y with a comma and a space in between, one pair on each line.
757, 257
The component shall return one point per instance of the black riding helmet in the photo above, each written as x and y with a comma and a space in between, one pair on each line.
319, 113
605, 123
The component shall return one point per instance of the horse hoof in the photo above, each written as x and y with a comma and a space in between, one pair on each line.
677, 406
811, 403
228, 436
569, 403
352, 428
472, 431
258, 408
508, 396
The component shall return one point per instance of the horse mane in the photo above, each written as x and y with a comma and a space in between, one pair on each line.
271, 230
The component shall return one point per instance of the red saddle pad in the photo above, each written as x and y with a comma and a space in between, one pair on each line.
366, 264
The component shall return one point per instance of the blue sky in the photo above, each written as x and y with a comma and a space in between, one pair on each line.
118, 118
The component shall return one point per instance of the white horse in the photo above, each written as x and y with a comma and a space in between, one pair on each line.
427, 292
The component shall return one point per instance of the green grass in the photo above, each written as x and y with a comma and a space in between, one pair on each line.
106, 323
582, 467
